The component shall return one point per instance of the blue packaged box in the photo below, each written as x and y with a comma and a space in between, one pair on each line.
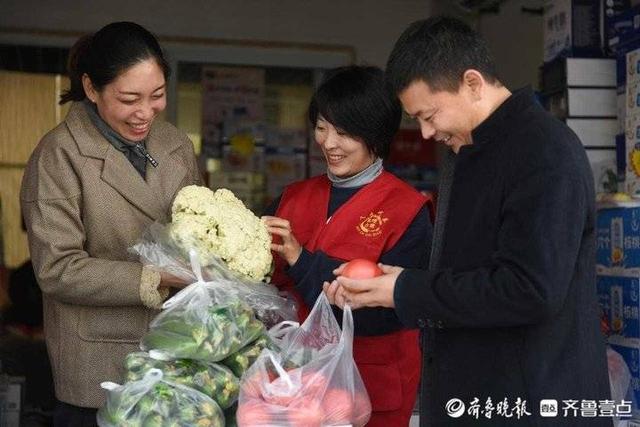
622, 28
619, 294
618, 235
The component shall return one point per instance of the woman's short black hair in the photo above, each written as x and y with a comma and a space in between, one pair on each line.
105, 55
359, 101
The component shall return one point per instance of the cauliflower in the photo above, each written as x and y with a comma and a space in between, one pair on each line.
219, 225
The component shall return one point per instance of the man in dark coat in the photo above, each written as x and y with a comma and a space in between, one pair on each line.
508, 307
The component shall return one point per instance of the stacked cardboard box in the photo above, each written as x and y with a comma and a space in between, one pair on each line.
582, 92
618, 285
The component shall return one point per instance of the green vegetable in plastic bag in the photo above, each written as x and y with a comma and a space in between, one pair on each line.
156, 402
241, 360
196, 328
212, 379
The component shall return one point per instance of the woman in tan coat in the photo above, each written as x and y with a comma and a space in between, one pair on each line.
92, 186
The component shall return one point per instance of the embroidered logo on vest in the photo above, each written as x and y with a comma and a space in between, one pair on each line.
371, 225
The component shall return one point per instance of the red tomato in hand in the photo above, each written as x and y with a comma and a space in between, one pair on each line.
361, 269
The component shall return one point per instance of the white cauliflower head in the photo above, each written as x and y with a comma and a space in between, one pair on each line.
219, 225
192, 199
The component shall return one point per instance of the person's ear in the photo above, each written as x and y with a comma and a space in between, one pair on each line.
89, 90
474, 82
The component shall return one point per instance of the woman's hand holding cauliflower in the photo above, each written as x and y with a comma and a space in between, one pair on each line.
289, 249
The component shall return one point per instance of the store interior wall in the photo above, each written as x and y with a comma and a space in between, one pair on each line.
516, 41
514, 36
370, 27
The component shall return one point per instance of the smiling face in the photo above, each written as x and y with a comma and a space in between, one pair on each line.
131, 102
346, 156
447, 117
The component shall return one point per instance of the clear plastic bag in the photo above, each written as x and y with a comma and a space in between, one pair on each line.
212, 379
241, 360
204, 321
311, 381
619, 375
157, 250
619, 380
156, 402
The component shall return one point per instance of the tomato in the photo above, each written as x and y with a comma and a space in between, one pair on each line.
337, 406
306, 412
253, 413
361, 269
361, 409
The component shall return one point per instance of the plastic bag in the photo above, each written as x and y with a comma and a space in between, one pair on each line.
156, 402
156, 249
241, 360
311, 381
212, 379
619, 375
204, 321
619, 379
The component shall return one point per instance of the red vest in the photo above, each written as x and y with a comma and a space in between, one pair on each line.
366, 226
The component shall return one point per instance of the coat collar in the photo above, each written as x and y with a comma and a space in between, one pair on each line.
493, 127
118, 172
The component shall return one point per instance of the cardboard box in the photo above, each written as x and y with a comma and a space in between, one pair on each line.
244, 181
632, 66
622, 110
622, 28
595, 132
619, 297
284, 167
572, 28
11, 397
604, 168
287, 138
632, 104
409, 148
239, 158
583, 102
621, 160
632, 154
618, 235
581, 72
253, 200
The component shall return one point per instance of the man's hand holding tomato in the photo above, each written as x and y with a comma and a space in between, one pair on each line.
350, 286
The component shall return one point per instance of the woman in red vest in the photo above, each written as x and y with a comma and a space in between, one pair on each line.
356, 210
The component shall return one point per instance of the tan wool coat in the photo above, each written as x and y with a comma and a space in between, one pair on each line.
84, 205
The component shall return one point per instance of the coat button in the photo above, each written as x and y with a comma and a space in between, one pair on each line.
421, 323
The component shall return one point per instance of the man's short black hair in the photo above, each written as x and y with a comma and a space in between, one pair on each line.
359, 101
438, 51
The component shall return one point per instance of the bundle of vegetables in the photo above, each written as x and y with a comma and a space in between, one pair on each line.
193, 329
214, 380
156, 402
219, 226
229, 243
241, 360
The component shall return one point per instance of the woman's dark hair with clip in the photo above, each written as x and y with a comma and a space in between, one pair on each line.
105, 55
